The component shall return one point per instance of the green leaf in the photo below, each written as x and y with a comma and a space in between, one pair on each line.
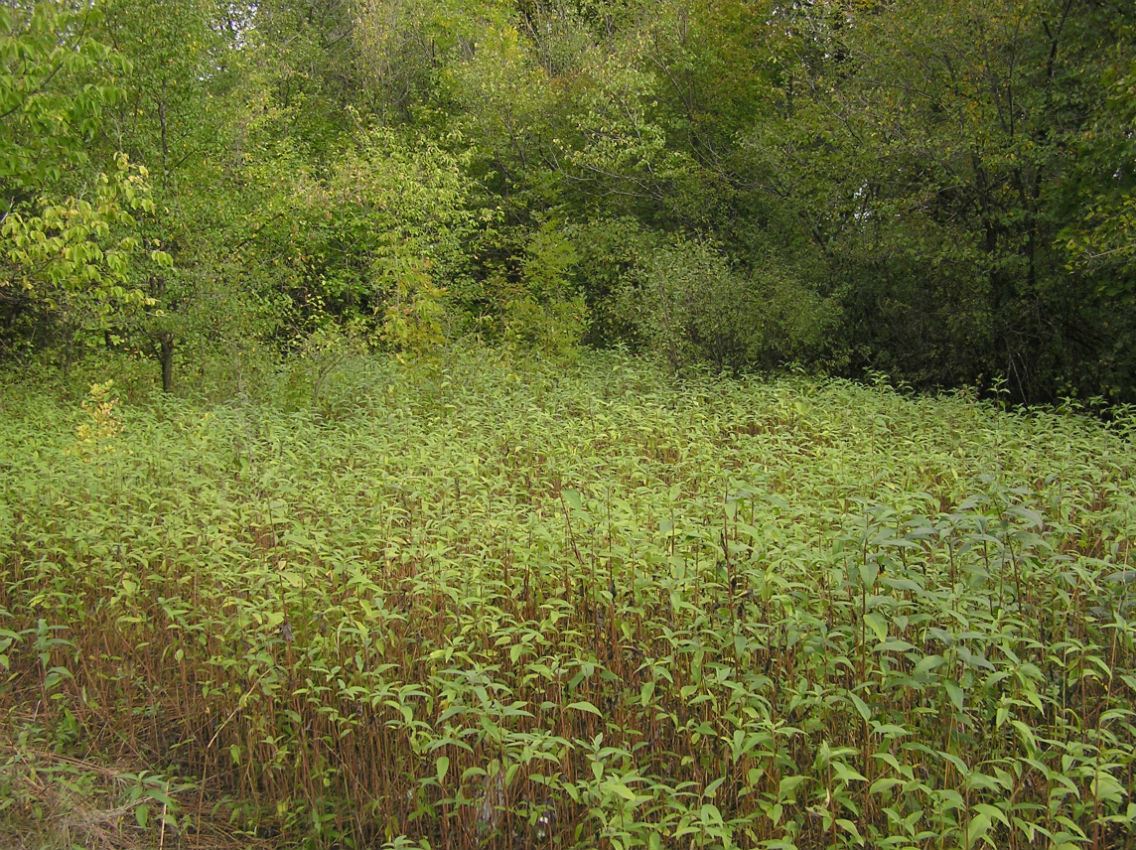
876, 622
851, 828
622, 790
861, 707
1106, 787
884, 783
646, 691
993, 813
977, 829
927, 664
893, 645
709, 813
583, 705
847, 774
955, 693
787, 787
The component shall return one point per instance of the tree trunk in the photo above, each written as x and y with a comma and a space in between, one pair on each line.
166, 358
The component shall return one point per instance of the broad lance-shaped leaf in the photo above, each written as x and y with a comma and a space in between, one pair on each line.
847, 774
869, 570
584, 705
955, 693
876, 622
861, 707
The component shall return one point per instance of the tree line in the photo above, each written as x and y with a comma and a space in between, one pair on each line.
941, 192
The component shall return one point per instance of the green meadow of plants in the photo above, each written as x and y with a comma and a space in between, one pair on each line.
486, 601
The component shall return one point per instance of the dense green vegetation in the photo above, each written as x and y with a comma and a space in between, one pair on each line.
942, 192
482, 601
450, 423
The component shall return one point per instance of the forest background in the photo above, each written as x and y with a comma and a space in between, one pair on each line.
941, 192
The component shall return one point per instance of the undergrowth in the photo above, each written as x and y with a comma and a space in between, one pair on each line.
477, 603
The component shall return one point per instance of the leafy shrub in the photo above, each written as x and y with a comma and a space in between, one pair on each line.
553, 328
612, 253
532, 290
696, 308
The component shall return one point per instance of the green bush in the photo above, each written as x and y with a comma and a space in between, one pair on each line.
695, 307
531, 294
612, 253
